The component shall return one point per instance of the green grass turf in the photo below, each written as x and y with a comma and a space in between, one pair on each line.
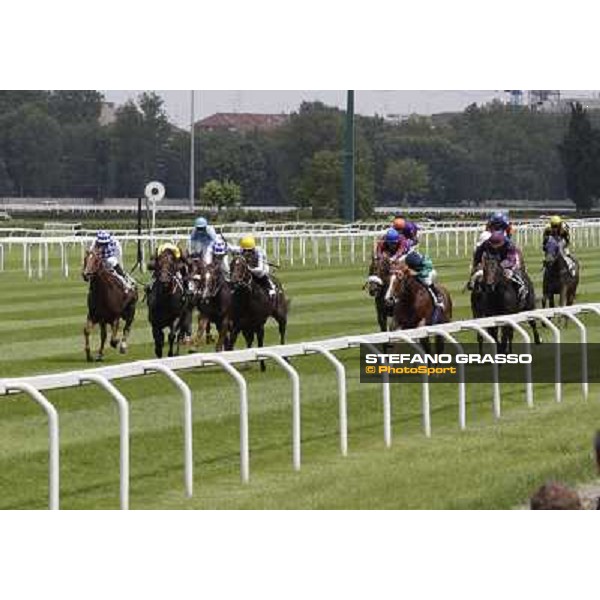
491, 465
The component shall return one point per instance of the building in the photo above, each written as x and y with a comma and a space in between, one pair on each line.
108, 113
242, 122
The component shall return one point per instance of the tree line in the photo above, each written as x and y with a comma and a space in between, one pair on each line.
52, 144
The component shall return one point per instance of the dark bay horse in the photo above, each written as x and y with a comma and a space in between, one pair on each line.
212, 297
377, 285
558, 279
108, 302
166, 300
496, 295
252, 306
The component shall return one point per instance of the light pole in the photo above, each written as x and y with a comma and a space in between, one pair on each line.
348, 202
192, 184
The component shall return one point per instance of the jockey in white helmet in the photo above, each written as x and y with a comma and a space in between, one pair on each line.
111, 252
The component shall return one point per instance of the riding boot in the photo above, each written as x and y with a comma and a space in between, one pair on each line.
521, 288
435, 296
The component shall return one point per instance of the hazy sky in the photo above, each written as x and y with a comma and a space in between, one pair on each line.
275, 101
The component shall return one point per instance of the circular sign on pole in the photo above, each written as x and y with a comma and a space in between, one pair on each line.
154, 191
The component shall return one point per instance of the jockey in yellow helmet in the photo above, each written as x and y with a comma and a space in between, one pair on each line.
257, 261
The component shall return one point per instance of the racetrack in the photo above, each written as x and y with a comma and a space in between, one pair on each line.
488, 466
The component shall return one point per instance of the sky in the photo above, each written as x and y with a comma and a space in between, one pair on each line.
384, 102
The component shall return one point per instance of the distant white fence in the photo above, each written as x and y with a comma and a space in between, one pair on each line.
105, 377
325, 244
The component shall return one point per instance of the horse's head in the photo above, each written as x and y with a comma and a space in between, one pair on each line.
379, 275
92, 263
209, 281
166, 267
493, 272
240, 272
553, 247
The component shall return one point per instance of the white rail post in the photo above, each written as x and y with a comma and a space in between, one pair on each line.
495, 371
1, 257
527, 341
396, 336
341, 380
186, 395
123, 407
387, 410
53, 448
295, 379
557, 370
462, 386
583, 344
243, 388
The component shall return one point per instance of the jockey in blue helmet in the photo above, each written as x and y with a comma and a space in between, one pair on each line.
202, 237
498, 221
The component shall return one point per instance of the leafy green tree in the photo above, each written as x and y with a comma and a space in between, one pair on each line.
580, 155
321, 183
32, 150
406, 179
221, 194
75, 106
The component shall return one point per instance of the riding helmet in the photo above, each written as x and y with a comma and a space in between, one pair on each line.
392, 236
498, 218
220, 248
414, 261
103, 237
398, 223
248, 243
200, 223
555, 221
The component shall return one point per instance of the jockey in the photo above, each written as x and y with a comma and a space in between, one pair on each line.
217, 252
201, 238
393, 245
111, 252
558, 229
501, 247
257, 262
177, 254
408, 229
422, 268
498, 221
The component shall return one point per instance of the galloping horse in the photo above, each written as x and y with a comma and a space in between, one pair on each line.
496, 295
166, 300
108, 303
212, 298
413, 305
252, 306
377, 285
557, 276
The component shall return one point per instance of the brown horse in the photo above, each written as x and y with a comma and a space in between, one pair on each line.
108, 303
558, 279
212, 297
414, 306
252, 306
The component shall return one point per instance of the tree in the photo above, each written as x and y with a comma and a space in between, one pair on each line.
406, 179
321, 183
220, 194
580, 155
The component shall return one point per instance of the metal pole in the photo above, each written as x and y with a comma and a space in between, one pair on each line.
348, 205
192, 132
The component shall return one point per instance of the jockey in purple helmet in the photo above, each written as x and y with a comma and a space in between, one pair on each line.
499, 246
498, 221
393, 245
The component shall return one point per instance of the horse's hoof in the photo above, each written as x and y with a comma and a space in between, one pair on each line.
99, 358
88, 357
114, 343
123, 349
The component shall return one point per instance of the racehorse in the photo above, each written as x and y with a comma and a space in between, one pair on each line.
413, 305
108, 302
496, 295
252, 306
377, 285
212, 297
558, 279
166, 300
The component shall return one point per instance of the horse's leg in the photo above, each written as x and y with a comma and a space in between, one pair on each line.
100, 355
171, 338
536, 335
260, 337
87, 330
201, 334
114, 334
380, 309
128, 316
159, 340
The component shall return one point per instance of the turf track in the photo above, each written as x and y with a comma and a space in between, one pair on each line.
489, 466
